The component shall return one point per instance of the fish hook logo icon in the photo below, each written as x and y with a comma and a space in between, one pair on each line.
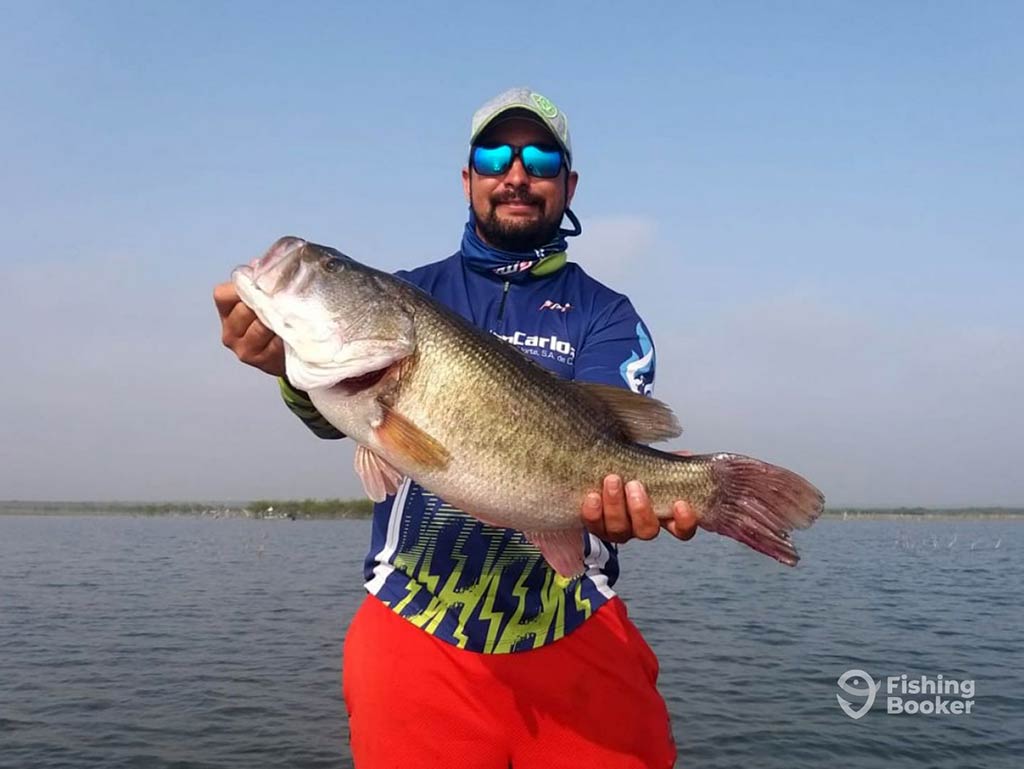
868, 692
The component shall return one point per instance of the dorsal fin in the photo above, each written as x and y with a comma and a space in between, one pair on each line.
641, 419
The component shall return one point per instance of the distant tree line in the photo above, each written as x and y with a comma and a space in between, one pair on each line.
259, 508
312, 508
953, 512
16, 507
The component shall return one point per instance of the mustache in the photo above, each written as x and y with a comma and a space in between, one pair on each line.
517, 196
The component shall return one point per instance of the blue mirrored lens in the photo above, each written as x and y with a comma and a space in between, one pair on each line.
541, 162
492, 161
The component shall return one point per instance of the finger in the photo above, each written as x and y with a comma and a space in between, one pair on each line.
683, 453
236, 324
225, 296
593, 517
616, 518
641, 515
257, 337
683, 523
275, 352
271, 359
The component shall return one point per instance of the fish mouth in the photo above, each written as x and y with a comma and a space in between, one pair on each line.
266, 275
279, 267
357, 384
281, 249
322, 348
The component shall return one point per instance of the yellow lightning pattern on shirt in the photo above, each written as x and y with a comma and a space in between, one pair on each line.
449, 599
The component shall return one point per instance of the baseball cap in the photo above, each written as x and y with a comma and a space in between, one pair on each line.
523, 98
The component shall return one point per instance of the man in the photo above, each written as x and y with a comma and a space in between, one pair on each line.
469, 650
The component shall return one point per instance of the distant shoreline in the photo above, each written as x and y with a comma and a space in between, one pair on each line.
259, 509
349, 509
929, 515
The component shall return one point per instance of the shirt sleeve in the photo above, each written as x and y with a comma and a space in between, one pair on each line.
302, 407
618, 350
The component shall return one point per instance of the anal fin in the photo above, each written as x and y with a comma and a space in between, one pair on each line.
563, 549
378, 476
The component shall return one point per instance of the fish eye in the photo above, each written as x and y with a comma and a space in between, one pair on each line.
332, 263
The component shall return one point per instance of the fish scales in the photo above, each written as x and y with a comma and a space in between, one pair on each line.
538, 447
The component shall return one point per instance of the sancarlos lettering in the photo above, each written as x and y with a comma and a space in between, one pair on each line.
520, 339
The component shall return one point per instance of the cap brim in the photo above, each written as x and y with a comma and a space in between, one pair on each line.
518, 112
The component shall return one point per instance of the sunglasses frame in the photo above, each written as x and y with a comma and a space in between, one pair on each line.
517, 152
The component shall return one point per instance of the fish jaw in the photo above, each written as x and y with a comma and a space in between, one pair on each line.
355, 359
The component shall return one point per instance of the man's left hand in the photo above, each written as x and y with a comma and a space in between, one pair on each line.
621, 512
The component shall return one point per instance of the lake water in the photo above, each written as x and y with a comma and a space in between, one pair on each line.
191, 643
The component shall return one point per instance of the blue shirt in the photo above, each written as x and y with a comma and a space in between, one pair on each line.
474, 585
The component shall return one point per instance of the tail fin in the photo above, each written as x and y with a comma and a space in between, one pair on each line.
758, 504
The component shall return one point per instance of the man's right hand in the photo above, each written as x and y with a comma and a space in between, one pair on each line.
244, 335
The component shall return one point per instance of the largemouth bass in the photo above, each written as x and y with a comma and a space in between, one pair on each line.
427, 395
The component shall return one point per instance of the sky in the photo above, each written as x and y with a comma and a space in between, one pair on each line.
817, 208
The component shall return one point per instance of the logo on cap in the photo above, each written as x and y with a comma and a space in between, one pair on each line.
547, 109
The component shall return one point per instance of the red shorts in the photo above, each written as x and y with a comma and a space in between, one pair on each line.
588, 699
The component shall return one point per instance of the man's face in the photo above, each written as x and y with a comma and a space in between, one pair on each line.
516, 211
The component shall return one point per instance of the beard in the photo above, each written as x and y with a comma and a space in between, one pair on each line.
517, 234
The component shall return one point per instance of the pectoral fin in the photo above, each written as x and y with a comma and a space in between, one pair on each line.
563, 550
397, 434
641, 419
379, 477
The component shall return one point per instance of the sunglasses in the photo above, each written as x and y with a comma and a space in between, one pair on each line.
541, 161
